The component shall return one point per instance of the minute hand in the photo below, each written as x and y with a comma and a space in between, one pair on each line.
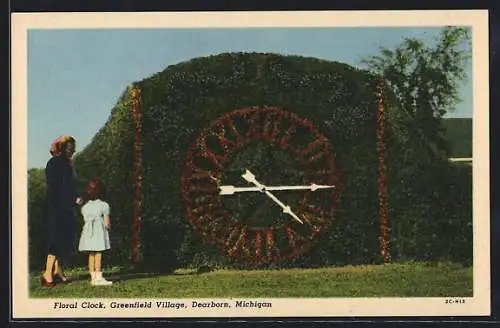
311, 187
229, 190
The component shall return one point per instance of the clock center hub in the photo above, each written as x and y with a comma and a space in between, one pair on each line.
271, 166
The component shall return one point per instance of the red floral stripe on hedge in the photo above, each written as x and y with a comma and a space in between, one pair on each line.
136, 225
382, 178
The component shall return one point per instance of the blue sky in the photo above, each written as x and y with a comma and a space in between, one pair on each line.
76, 76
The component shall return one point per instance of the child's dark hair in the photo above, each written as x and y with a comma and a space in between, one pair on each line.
95, 189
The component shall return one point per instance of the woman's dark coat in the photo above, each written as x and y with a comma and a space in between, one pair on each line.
61, 207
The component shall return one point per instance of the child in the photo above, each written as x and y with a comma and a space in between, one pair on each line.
95, 238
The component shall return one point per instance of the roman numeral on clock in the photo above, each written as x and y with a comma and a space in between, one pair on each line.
254, 122
315, 150
271, 126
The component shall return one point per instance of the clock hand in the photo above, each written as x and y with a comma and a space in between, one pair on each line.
229, 190
312, 187
286, 208
249, 177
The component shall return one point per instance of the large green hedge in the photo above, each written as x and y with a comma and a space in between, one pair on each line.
425, 193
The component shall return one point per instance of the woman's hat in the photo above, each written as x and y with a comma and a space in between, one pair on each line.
57, 146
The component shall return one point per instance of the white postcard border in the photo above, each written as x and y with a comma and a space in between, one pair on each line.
479, 304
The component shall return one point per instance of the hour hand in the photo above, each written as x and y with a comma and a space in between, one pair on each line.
286, 208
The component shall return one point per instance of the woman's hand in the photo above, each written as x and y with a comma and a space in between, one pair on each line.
79, 201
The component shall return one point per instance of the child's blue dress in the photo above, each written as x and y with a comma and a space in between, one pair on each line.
94, 235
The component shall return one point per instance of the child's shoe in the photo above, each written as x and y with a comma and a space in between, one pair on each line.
100, 281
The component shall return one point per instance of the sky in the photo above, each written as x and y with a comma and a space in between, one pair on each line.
76, 76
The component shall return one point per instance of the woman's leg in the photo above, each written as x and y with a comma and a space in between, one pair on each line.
49, 266
58, 269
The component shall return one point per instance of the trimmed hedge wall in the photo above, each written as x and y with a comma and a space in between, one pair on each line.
429, 200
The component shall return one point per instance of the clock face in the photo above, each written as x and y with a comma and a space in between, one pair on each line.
260, 183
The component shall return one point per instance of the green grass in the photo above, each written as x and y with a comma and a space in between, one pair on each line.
393, 280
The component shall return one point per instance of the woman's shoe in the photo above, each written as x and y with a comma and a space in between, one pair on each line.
59, 279
46, 283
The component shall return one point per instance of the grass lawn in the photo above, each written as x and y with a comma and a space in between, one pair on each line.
393, 280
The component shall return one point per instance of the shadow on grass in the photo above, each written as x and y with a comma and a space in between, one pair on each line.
132, 273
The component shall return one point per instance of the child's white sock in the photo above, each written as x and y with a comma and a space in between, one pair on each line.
99, 280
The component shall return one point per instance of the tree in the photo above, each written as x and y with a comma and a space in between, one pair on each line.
425, 80
36, 216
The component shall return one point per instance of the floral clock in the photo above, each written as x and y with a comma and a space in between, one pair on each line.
260, 184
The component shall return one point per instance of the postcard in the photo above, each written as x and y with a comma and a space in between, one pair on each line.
250, 164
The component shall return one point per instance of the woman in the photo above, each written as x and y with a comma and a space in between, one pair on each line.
62, 200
